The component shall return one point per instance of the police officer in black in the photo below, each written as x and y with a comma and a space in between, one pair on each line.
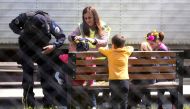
35, 29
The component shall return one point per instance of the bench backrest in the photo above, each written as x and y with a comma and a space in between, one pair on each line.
142, 65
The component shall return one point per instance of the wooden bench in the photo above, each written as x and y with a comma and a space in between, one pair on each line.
11, 75
11, 71
161, 69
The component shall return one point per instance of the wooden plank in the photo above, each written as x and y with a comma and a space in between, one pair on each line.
131, 76
153, 53
153, 76
91, 62
87, 69
11, 78
16, 84
88, 54
153, 69
11, 70
9, 64
155, 86
131, 61
152, 61
134, 54
158, 85
92, 77
150, 87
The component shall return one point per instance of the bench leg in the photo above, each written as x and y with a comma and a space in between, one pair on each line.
180, 101
180, 98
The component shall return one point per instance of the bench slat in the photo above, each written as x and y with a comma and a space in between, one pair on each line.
88, 54
153, 76
131, 61
11, 78
153, 69
11, 70
16, 84
85, 69
134, 54
155, 86
131, 76
9, 64
92, 77
91, 62
152, 61
153, 53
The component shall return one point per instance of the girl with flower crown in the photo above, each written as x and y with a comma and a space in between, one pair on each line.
154, 42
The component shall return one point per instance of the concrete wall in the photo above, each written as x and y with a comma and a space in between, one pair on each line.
133, 18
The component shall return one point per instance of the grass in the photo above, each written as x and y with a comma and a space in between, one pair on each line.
186, 106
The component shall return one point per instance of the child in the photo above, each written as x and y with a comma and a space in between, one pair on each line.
142, 96
162, 47
155, 41
145, 46
118, 71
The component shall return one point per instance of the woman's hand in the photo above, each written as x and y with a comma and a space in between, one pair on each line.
77, 38
92, 40
48, 49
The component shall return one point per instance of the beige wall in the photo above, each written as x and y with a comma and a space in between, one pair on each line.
133, 18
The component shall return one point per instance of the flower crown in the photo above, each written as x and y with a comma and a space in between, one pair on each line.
152, 36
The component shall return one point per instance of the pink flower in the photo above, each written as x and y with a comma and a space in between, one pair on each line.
150, 38
64, 58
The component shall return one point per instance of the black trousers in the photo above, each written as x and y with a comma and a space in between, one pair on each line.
119, 93
137, 94
173, 95
54, 93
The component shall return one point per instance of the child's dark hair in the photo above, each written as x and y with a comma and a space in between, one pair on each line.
161, 36
118, 41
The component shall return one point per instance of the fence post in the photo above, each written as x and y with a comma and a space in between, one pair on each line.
70, 77
180, 72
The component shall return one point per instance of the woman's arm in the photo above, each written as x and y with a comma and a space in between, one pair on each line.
102, 41
73, 34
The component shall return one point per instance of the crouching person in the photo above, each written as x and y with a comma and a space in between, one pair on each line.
35, 29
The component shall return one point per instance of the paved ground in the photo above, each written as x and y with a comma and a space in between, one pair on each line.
38, 92
11, 99
102, 106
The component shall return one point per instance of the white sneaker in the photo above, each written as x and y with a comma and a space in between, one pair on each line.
94, 107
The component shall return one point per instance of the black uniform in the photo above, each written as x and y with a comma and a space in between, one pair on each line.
35, 30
